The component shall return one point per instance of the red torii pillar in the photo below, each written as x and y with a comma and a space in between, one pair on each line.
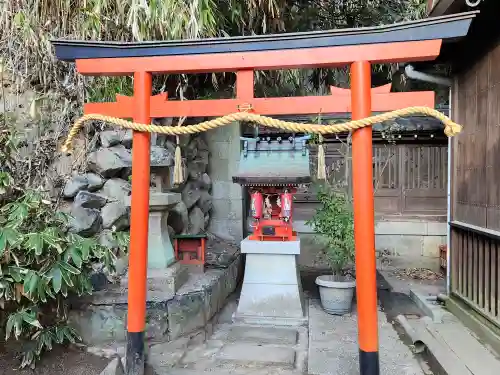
364, 221
139, 226
359, 100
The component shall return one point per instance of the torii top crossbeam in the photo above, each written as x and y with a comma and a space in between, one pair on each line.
445, 27
412, 41
404, 42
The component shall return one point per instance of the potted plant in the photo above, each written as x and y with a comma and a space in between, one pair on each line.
333, 223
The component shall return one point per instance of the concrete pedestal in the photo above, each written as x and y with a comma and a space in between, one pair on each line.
162, 284
272, 291
165, 275
160, 250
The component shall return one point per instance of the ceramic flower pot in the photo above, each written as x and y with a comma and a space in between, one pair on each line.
336, 296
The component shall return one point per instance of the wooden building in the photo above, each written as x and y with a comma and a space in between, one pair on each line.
474, 280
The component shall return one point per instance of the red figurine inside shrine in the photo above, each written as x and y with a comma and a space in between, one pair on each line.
273, 214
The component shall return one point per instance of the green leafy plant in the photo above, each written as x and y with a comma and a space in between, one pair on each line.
122, 240
41, 264
5, 182
333, 223
41, 261
8, 142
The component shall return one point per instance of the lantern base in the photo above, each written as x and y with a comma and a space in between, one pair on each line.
271, 291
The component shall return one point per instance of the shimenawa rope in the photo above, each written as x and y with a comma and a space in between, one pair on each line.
450, 128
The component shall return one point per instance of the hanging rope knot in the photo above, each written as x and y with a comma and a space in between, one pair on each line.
450, 128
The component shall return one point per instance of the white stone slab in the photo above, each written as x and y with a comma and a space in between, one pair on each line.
270, 247
273, 269
455, 338
271, 284
265, 300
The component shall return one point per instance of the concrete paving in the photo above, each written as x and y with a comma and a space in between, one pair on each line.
333, 346
452, 346
328, 345
245, 353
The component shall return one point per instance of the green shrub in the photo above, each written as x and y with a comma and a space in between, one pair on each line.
333, 223
41, 264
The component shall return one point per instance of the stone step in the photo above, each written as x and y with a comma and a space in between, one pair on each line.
257, 355
263, 335
222, 371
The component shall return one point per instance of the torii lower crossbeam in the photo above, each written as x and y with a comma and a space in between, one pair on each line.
360, 48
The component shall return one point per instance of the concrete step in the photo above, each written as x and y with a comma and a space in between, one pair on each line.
263, 335
232, 371
228, 348
257, 355
239, 349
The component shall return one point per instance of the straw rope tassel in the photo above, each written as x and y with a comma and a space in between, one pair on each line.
178, 170
321, 160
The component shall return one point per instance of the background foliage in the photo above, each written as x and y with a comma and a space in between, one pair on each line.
26, 27
333, 223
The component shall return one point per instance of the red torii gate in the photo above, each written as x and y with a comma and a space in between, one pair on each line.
359, 49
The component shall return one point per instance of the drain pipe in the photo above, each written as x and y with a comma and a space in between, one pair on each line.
411, 73
448, 209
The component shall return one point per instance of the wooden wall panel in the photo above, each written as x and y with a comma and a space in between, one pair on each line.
493, 142
476, 186
408, 179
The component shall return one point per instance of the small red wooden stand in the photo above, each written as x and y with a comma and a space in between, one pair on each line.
190, 250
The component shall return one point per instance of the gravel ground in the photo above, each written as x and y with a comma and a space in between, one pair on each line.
60, 361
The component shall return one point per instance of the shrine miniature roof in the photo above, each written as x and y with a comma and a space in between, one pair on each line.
273, 163
447, 28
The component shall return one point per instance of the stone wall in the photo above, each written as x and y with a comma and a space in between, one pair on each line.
101, 318
405, 243
96, 198
227, 212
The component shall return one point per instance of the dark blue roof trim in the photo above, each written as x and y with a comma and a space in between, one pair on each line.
446, 27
